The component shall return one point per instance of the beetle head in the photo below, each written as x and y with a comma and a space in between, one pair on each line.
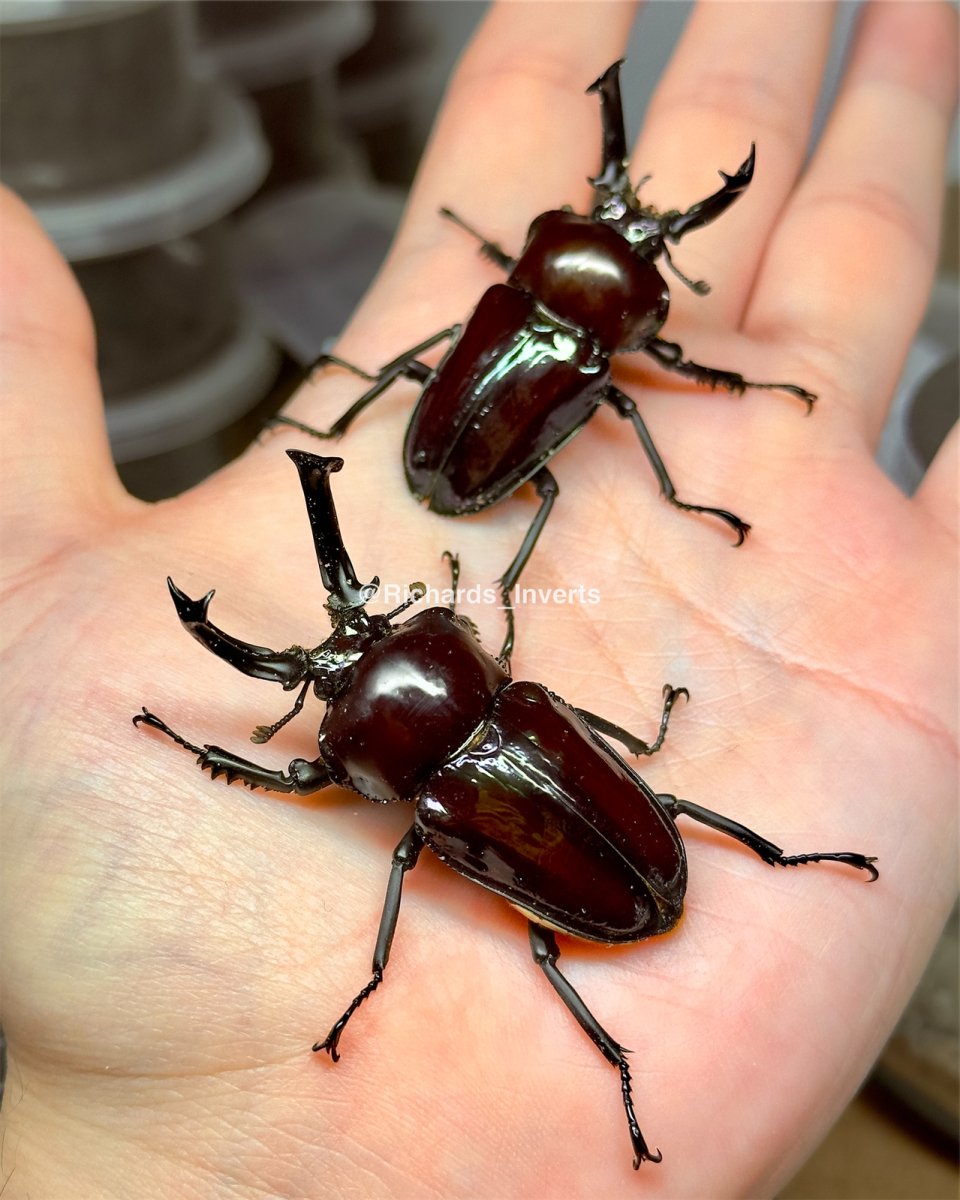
328, 666
640, 224
616, 200
355, 630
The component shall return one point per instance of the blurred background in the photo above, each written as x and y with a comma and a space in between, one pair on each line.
225, 177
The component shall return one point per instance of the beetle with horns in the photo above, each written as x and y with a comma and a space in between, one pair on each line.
531, 366
513, 788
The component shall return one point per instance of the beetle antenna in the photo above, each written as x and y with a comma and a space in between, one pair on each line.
263, 733
417, 592
700, 286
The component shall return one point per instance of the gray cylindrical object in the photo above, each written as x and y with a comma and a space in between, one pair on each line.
60, 135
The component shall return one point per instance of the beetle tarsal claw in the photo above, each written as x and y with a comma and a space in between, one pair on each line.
330, 1045
145, 717
332, 1039
868, 866
641, 1151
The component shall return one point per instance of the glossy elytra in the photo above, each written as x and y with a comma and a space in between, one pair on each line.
513, 788
532, 364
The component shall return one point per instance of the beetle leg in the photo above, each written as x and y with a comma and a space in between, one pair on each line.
547, 489
404, 366
404, 859
627, 409
670, 356
454, 562
676, 224
496, 254
634, 744
301, 777
545, 955
763, 848
263, 733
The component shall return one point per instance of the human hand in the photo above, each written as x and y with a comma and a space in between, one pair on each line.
172, 948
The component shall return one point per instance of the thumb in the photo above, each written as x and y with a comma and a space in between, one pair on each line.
56, 474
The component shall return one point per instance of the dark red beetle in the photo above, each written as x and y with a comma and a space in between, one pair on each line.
532, 365
514, 788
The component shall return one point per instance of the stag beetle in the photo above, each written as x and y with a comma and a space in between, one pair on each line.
514, 789
532, 364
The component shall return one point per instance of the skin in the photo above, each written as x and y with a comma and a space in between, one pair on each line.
171, 948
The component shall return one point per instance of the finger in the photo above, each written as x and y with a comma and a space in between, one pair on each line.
516, 135
741, 74
859, 242
57, 471
518, 131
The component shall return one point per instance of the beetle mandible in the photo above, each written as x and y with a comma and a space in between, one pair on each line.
513, 788
532, 364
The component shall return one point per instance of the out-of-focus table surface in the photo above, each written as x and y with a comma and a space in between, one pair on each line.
875, 1152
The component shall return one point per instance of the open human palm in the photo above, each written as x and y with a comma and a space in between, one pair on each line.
172, 947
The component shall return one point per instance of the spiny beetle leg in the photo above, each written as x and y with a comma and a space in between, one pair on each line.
301, 776
496, 254
761, 846
404, 366
454, 562
404, 859
545, 955
318, 364
547, 489
626, 408
634, 744
670, 356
